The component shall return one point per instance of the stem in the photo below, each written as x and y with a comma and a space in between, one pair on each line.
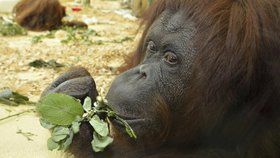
101, 111
128, 129
17, 114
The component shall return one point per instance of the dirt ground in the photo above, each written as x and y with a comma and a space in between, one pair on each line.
22, 136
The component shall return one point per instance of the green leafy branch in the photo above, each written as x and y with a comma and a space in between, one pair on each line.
27, 135
9, 97
64, 114
10, 28
74, 35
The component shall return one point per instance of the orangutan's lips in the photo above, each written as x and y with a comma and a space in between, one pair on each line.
127, 118
135, 121
130, 121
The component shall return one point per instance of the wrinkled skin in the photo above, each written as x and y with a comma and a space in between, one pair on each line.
154, 90
147, 95
151, 97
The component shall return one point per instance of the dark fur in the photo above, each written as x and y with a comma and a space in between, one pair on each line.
81, 85
237, 71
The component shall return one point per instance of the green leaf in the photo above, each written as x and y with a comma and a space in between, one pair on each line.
39, 63
37, 39
8, 97
60, 109
99, 143
130, 132
52, 145
60, 133
46, 124
99, 126
68, 141
128, 129
8, 28
76, 127
76, 124
87, 104
58, 138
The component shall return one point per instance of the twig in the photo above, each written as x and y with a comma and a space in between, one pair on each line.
27, 135
17, 114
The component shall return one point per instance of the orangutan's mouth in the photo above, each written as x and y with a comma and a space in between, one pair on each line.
129, 120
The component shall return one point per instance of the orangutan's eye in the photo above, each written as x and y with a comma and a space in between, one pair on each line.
170, 58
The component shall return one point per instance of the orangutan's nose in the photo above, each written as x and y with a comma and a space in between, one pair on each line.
142, 71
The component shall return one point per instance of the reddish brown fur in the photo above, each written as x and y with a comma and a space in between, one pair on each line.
39, 15
232, 104
238, 43
234, 92
236, 79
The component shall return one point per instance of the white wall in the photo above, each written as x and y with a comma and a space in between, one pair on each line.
6, 6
